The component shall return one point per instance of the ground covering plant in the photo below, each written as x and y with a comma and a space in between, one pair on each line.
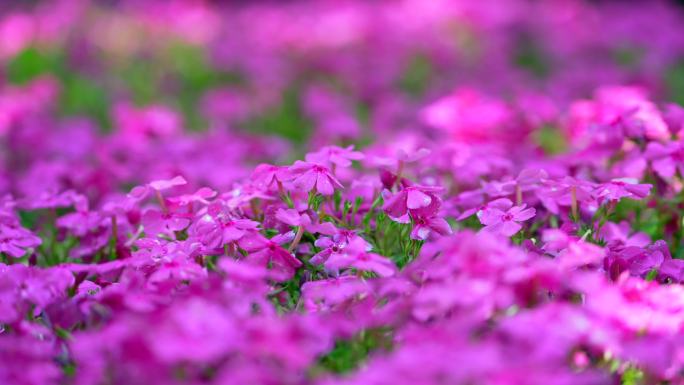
341, 193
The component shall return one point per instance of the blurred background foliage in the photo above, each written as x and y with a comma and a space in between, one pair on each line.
179, 73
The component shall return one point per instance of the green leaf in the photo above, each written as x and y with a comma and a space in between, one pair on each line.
674, 79
347, 355
29, 64
417, 75
83, 96
550, 139
632, 376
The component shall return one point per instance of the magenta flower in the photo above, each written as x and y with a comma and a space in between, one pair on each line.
412, 198
332, 245
293, 218
500, 204
580, 254
220, 227
638, 261
15, 241
327, 293
622, 234
166, 184
29, 360
506, 222
200, 196
137, 125
270, 177
52, 200
141, 192
567, 192
468, 115
617, 189
197, 330
671, 270
307, 176
158, 222
334, 156
80, 223
666, 158
356, 255
424, 226
556, 240
269, 253
527, 179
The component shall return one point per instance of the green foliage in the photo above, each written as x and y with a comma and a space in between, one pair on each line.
287, 120
628, 57
551, 140
183, 67
530, 58
29, 64
348, 355
82, 96
674, 78
29, 219
142, 79
417, 76
632, 376
195, 75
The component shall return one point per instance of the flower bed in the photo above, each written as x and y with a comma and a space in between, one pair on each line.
331, 193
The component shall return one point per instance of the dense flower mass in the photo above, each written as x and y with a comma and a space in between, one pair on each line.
341, 192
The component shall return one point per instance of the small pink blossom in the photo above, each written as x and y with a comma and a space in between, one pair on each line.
422, 198
269, 253
334, 156
617, 189
356, 255
424, 226
307, 176
506, 222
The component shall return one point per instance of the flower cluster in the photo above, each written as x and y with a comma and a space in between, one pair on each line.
341, 193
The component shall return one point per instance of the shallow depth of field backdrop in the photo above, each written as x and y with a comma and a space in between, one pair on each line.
341, 192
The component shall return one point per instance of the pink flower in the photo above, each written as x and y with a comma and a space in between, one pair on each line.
220, 227
307, 176
617, 189
268, 176
412, 198
266, 252
137, 125
468, 116
28, 360
423, 226
621, 233
527, 180
671, 270
141, 192
80, 223
332, 245
200, 196
500, 204
666, 158
333, 155
293, 218
578, 254
505, 222
567, 191
639, 261
159, 222
356, 255
327, 293
16, 240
